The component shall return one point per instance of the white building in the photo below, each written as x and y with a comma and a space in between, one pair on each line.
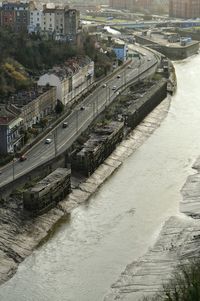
36, 20
48, 23
69, 82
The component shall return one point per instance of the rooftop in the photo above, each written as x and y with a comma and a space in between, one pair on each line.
23, 97
99, 135
70, 67
50, 180
5, 115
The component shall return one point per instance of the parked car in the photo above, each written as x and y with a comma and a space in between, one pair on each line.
65, 125
22, 158
82, 108
118, 76
48, 141
104, 85
114, 88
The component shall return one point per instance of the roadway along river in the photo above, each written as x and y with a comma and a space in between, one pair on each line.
89, 250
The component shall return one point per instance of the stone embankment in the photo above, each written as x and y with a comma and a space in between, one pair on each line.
19, 234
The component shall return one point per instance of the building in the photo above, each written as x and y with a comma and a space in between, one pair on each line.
36, 21
10, 126
70, 79
141, 5
118, 4
60, 22
98, 147
184, 9
33, 105
71, 24
48, 192
15, 15
121, 51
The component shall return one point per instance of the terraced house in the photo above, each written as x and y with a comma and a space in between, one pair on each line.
59, 22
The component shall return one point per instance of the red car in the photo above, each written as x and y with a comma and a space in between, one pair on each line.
22, 158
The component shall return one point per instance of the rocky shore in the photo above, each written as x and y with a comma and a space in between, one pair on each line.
19, 235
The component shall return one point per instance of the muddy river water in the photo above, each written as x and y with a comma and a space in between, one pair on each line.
92, 247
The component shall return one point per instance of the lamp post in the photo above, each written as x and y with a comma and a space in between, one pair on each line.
13, 167
107, 94
77, 121
139, 69
55, 141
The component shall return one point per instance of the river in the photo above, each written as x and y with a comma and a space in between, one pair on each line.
90, 249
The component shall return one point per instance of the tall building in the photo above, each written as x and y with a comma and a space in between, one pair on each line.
184, 8
72, 23
15, 15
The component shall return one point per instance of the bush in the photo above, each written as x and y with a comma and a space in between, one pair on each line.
184, 285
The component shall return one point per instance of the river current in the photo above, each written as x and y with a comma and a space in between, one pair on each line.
90, 249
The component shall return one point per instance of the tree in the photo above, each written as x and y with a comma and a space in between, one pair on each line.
59, 108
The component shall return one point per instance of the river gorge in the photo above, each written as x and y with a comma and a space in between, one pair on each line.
118, 229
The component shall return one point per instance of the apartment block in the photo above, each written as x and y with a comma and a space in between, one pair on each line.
184, 9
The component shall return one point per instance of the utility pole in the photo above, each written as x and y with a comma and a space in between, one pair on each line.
97, 102
139, 69
76, 121
55, 142
93, 106
13, 167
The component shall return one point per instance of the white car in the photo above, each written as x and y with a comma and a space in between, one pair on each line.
48, 141
114, 88
104, 85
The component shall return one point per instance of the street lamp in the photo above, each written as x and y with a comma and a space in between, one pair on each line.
55, 141
139, 64
13, 168
107, 94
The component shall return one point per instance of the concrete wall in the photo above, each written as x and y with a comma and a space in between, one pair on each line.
147, 103
173, 52
40, 171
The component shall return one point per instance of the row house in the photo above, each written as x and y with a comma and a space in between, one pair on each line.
70, 79
15, 15
10, 135
62, 23
34, 104
23, 110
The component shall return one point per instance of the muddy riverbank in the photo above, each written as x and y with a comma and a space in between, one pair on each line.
20, 235
178, 241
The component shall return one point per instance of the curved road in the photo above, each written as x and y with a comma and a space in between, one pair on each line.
79, 119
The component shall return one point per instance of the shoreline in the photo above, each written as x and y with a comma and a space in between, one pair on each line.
21, 236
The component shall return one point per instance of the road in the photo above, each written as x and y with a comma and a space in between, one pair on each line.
78, 120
